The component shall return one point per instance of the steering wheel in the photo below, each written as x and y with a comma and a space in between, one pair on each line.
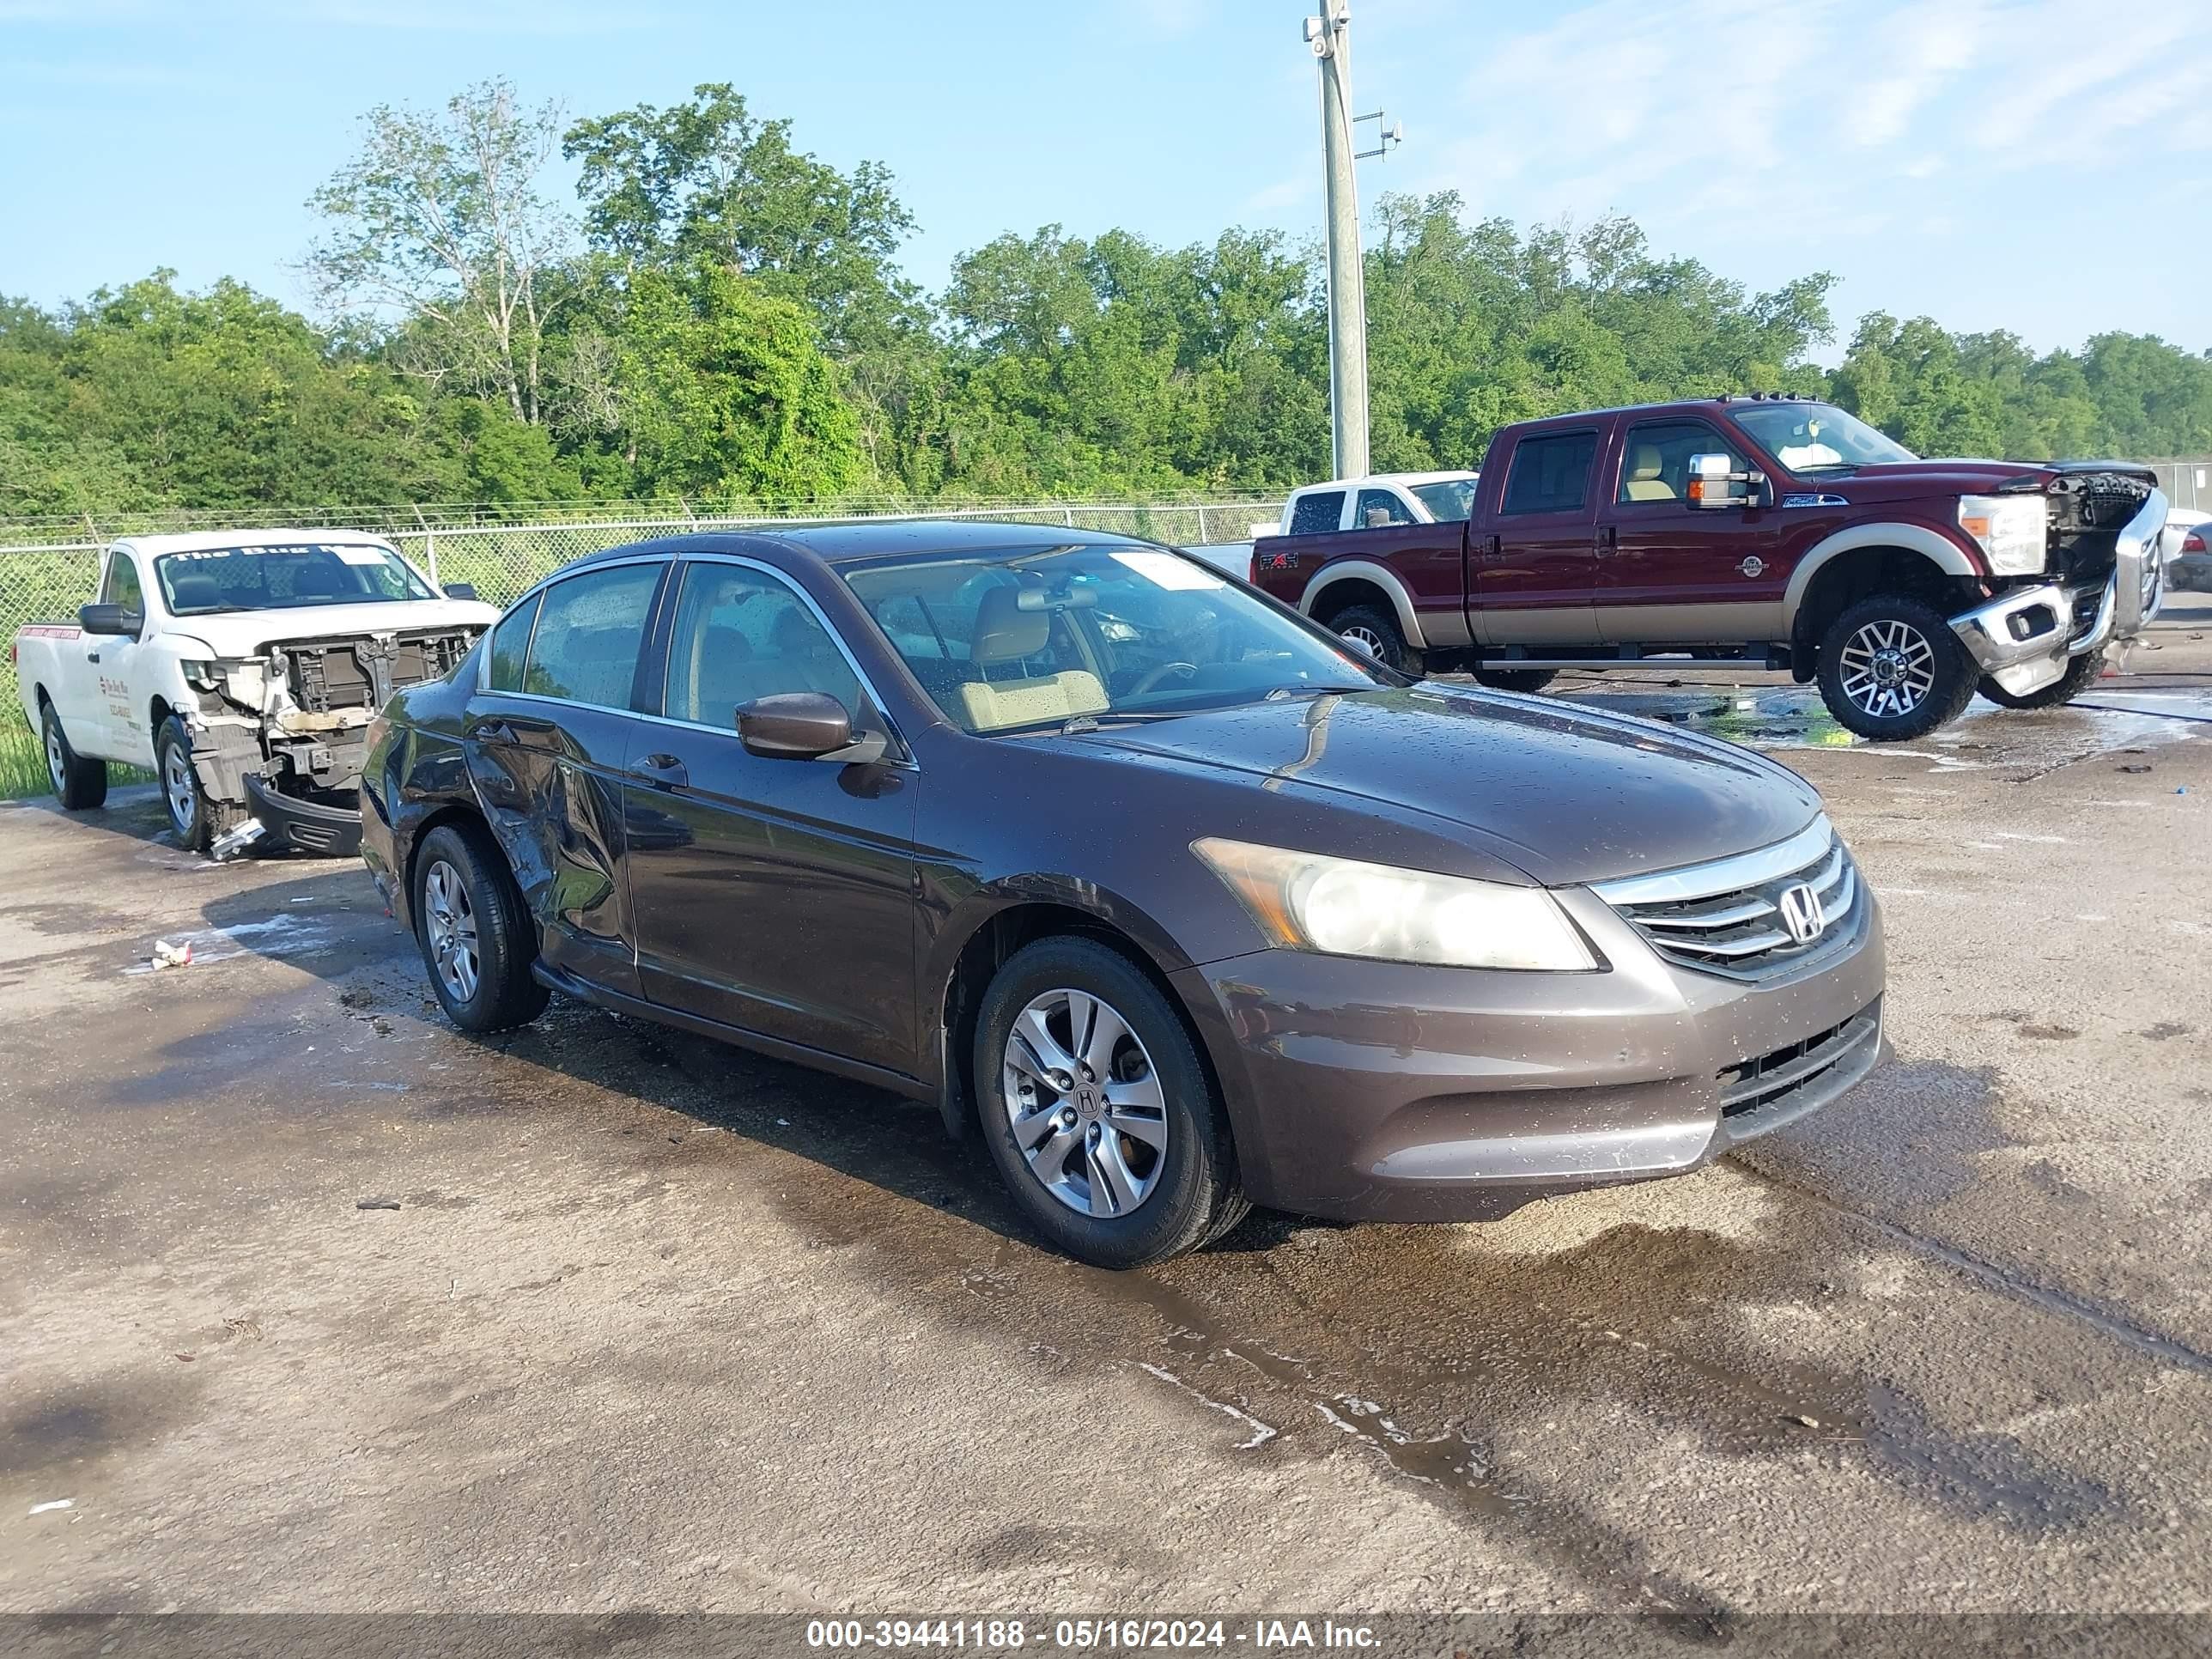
1156, 675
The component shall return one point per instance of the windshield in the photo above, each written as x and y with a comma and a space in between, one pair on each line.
1816, 437
1448, 501
1004, 640
285, 577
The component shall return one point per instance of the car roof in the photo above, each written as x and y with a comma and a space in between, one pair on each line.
201, 541
1457, 475
871, 538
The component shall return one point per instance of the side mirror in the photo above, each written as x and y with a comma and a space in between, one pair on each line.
461, 590
110, 619
1713, 483
804, 725
1357, 645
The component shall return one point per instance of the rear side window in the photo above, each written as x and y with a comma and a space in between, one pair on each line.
509, 640
1551, 473
1378, 507
590, 629
1321, 510
741, 633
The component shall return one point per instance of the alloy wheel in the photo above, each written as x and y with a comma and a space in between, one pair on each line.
1085, 1103
1887, 669
181, 787
451, 923
57, 763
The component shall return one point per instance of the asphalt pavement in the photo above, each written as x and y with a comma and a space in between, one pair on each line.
312, 1303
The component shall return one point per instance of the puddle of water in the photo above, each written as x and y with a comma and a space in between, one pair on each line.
279, 936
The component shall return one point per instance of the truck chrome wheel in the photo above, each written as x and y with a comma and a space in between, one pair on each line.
1085, 1103
180, 787
57, 763
1889, 668
452, 925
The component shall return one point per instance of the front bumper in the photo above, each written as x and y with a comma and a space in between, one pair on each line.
288, 821
1369, 1090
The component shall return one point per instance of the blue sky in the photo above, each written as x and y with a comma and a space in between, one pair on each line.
2040, 165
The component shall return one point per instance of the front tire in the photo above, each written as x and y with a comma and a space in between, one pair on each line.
476, 937
2080, 674
197, 820
79, 784
1891, 669
1378, 631
1098, 1111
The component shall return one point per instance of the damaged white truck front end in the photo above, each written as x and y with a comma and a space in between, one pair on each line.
243, 668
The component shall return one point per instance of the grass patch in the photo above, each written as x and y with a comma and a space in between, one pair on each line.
23, 767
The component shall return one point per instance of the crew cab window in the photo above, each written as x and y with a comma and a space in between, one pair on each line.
121, 587
1378, 507
1654, 461
510, 642
742, 634
589, 631
1550, 472
1322, 510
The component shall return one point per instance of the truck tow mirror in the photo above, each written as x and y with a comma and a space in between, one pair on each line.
110, 619
1714, 483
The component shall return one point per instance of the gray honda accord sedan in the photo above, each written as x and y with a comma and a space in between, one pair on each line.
1172, 900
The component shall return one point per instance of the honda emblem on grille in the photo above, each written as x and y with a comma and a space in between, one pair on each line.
1800, 912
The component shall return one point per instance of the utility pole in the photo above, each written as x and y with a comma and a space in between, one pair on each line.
1329, 36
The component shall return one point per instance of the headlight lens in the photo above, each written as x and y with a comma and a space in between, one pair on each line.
202, 672
1343, 907
2014, 531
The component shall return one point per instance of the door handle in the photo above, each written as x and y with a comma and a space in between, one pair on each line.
1494, 548
492, 731
667, 771
1608, 542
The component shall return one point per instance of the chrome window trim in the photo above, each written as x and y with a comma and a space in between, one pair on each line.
1725, 875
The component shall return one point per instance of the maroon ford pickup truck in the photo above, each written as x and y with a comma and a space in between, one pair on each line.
1766, 530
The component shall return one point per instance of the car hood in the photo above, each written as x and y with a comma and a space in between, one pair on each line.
1564, 794
1972, 477
244, 633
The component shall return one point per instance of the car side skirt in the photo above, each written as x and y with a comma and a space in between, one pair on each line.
797, 1053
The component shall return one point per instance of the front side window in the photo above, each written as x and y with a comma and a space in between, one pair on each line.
1550, 472
1377, 508
1654, 461
510, 643
1319, 511
1005, 640
590, 629
121, 587
1817, 437
741, 633
1449, 501
285, 577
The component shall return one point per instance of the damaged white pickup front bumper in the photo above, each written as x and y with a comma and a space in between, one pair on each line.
2024, 640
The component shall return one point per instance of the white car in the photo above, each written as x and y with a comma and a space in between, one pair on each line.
1374, 502
242, 667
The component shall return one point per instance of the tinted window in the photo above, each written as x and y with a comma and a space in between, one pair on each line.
589, 630
279, 577
1551, 474
1378, 507
1322, 510
742, 634
1654, 461
122, 587
509, 640
1448, 502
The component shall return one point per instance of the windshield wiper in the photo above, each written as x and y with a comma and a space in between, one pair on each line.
1281, 692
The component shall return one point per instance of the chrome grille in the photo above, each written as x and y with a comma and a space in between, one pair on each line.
1731, 917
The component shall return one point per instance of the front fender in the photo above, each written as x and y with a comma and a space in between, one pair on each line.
1378, 575
1945, 552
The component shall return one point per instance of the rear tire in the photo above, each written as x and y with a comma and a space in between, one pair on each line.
1114, 1198
2080, 674
1378, 631
197, 820
79, 784
476, 935
1891, 669
1516, 679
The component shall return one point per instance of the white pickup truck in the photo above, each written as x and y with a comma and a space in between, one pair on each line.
1368, 503
242, 667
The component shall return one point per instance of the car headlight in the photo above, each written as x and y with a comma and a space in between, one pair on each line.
1344, 907
2014, 532
201, 671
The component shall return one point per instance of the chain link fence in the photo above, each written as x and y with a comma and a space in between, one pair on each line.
45, 581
